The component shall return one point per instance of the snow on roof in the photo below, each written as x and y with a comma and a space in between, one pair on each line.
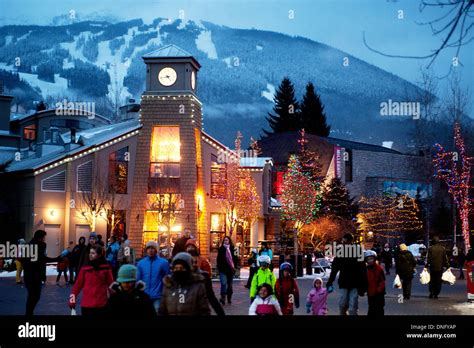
170, 51
255, 161
91, 137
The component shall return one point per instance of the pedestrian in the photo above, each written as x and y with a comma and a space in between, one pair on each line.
405, 266
437, 259
126, 254
316, 301
63, 266
375, 285
34, 268
111, 254
84, 258
180, 244
263, 276
100, 241
386, 257
151, 270
74, 259
93, 280
211, 296
253, 267
184, 292
352, 276
264, 303
266, 250
204, 263
18, 264
128, 299
226, 265
286, 290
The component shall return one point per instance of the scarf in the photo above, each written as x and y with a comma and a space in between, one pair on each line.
228, 256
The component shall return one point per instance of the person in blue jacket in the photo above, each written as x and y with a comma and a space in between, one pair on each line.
151, 270
111, 254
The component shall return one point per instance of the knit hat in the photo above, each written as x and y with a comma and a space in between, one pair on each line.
191, 242
286, 266
151, 244
127, 273
264, 259
370, 253
93, 235
403, 247
184, 259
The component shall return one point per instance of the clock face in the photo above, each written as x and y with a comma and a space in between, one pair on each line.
167, 76
193, 80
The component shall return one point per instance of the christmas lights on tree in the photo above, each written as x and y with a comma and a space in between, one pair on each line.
454, 168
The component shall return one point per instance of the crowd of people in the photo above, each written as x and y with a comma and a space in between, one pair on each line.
107, 279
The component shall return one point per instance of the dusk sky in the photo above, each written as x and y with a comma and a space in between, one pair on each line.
338, 23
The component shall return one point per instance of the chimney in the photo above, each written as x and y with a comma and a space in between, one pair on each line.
73, 135
5, 105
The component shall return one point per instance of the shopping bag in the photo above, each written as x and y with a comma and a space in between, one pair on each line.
449, 277
397, 283
73, 311
425, 277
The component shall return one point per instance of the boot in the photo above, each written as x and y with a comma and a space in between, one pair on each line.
222, 300
229, 299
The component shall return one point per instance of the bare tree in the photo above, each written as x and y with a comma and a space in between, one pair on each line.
454, 26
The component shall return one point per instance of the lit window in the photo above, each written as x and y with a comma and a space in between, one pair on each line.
118, 171
217, 222
165, 146
29, 132
218, 175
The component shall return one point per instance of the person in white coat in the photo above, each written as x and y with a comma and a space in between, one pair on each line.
265, 303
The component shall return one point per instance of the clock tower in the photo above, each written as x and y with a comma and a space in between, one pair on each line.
167, 195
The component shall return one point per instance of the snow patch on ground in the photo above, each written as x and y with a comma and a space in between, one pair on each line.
71, 46
204, 43
227, 61
5, 66
259, 48
182, 24
50, 271
8, 39
269, 93
466, 308
58, 87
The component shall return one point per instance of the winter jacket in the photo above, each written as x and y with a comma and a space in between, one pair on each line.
187, 299
353, 273
63, 264
94, 283
152, 271
262, 306
76, 254
222, 264
34, 269
134, 305
376, 280
288, 294
126, 255
386, 257
180, 245
317, 299
437, 258
405, 264
112, 253
261, 277
211, 296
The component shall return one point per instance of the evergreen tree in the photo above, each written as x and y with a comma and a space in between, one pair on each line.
313, 117
286, 109
337, 201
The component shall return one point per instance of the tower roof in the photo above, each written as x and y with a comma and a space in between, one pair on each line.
171, 52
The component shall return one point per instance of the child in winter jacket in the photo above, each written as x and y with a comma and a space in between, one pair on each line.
263, 276
62, 266
286, 290
316, 301
376, 285
265, 303
128, 298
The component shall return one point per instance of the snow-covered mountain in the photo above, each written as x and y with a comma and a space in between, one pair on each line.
91, 60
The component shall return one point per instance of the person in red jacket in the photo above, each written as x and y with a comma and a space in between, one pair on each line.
204, 264
94, 281
286, 290
376, 285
